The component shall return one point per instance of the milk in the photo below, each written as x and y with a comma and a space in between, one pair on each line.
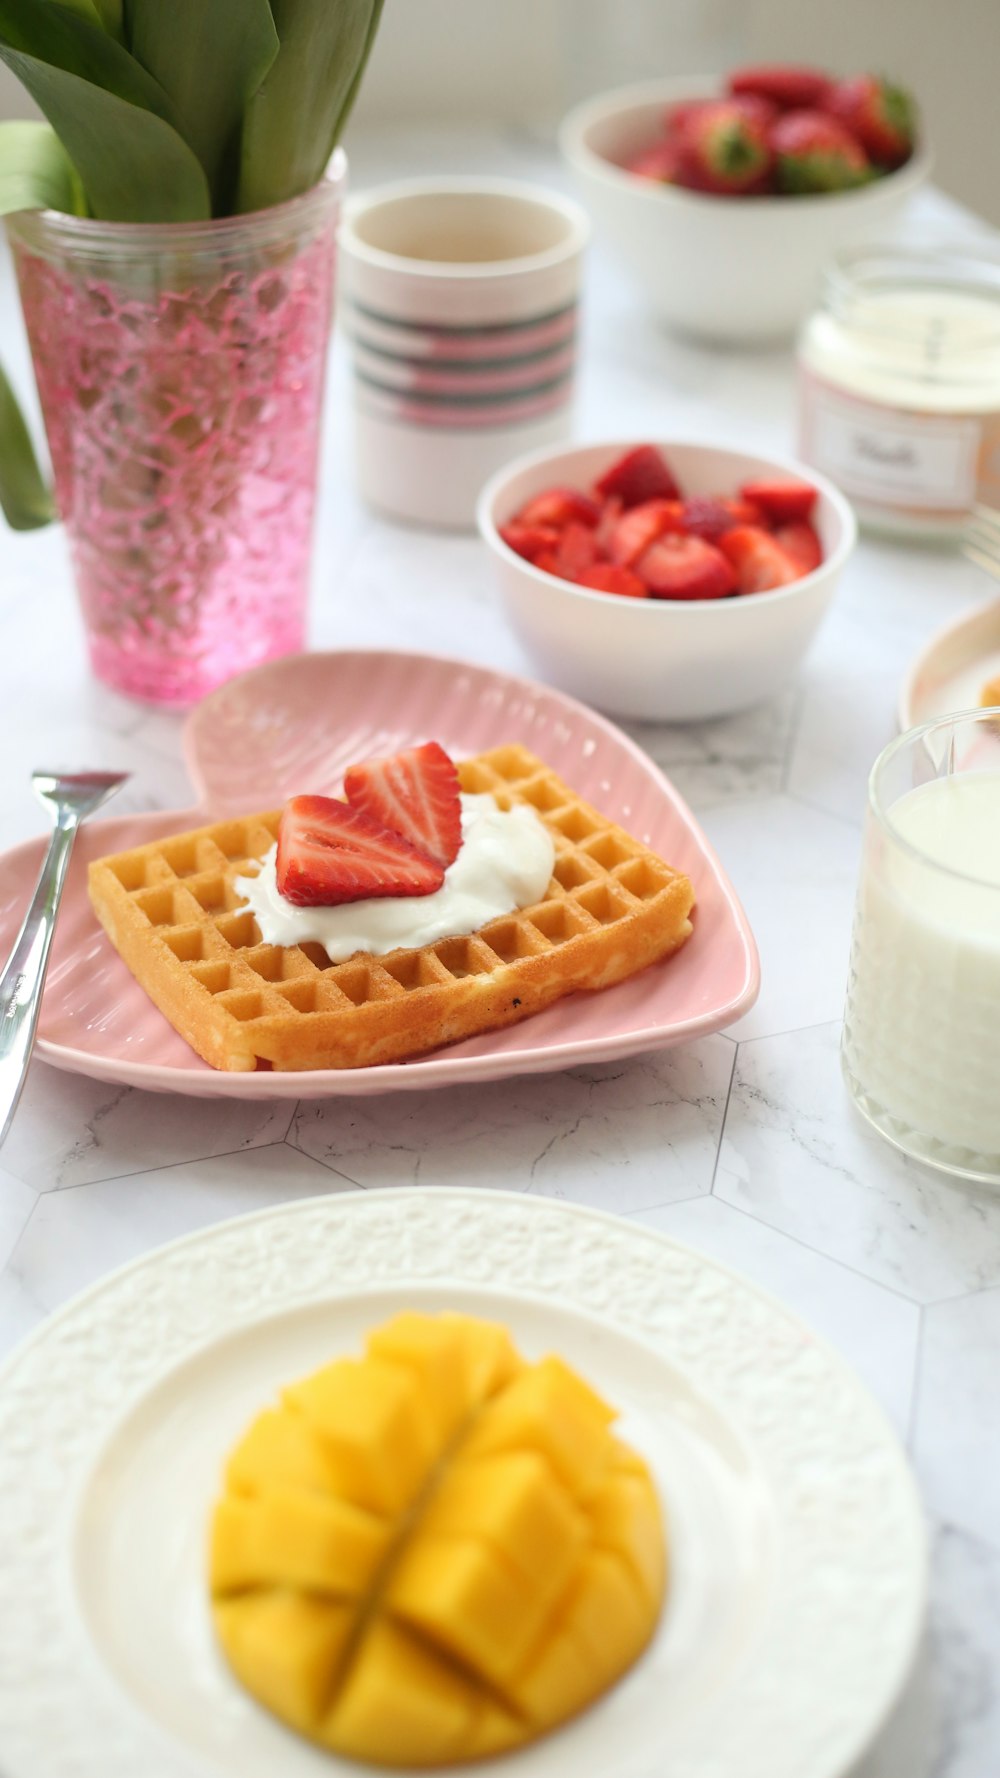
922, 1035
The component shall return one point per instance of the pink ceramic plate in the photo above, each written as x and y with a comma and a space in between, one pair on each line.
293, 726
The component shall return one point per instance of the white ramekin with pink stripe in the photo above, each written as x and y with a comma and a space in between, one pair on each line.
459, 300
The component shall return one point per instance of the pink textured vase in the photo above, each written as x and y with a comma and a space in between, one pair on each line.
180, 369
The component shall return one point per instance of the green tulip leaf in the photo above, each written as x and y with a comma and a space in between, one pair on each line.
35, 171
134, 166
294, 123
209, 59
66, 37
26, 500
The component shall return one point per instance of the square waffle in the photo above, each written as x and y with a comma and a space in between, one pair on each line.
171, 911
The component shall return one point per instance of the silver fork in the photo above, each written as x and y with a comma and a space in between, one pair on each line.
980, 539
70, 800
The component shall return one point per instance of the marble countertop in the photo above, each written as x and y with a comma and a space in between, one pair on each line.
744, 1145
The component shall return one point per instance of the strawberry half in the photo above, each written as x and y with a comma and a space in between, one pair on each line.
330, 853
415, 793
883, 117
686, 568
781, 501
558, 506
640, 475
760, 563
815, 152
788, 87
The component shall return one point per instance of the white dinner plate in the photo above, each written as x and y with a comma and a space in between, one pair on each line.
797, 1542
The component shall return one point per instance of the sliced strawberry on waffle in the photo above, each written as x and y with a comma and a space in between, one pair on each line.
414, 793
329, 853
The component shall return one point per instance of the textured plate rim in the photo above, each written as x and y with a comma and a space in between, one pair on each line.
907, 715
436, 1258
411, 1076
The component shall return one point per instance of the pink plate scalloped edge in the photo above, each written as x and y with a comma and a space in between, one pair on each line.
293, 725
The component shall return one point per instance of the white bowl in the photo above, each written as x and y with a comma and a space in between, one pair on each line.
659, 659
724, 268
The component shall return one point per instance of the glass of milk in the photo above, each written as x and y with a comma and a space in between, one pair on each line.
921, 1046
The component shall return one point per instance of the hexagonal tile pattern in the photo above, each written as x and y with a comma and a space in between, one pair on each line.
17, 1201
956, 1441
69, 1129
727, 760
873, 1328
623, 1135
795, 1154
795, 871
75, 1237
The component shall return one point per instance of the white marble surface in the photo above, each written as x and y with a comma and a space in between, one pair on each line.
744, 1145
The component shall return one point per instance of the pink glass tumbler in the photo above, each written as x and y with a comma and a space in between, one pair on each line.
180, 369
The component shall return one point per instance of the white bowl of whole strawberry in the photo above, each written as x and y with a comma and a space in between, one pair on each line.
669, 582
726, 199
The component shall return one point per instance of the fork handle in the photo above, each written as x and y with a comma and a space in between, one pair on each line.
24, 972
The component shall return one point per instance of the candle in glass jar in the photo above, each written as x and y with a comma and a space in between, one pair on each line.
899, 381
924, 1003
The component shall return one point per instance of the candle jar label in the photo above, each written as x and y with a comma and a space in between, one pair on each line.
892, 456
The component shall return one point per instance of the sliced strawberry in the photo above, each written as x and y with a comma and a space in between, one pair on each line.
557, 506
415, 793
760, 563
576, 550
329, 853
641, 526
800, 544
788, 87
548, 563
528, 540
782, 501
705, 516
640, 475
686, 568
611, 577
658, 162
611, 512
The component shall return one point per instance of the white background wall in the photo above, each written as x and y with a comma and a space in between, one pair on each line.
523, 61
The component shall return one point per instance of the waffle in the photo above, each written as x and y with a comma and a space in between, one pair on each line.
171, 911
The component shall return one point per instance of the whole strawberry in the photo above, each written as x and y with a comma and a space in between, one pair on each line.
722, 149
883, 117
814, 152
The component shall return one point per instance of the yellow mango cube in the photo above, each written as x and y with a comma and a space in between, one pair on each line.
285, 1647
299, 1539
372, 1421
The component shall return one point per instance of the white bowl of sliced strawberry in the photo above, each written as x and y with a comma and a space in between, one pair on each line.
726, 198
667, 581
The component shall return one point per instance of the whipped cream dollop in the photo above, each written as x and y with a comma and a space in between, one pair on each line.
504, 862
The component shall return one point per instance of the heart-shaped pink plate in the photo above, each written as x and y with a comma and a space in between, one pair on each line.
293, 726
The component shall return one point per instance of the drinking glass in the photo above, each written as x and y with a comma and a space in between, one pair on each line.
920, 1046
